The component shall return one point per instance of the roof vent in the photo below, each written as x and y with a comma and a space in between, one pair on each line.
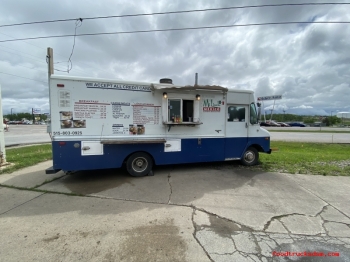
166, 81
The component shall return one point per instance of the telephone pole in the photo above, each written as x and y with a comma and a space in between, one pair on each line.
2, 136
49, 58
50, 61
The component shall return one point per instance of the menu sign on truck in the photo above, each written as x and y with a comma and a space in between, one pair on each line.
146, 114
90, 109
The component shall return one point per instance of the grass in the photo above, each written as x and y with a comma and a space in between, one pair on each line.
26, 156
292, 157
308, 158
309, 131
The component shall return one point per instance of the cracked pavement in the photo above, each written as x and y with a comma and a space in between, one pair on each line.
206, 212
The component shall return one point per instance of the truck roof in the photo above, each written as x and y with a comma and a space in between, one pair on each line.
154, 86
198, 88
103, 80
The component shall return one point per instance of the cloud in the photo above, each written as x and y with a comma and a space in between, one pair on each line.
308, 64
302, 106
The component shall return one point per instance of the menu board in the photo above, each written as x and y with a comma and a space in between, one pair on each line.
121, 110
120, 129
90, 109
144, 114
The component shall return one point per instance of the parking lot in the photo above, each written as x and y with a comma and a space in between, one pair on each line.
26, 134
198, 212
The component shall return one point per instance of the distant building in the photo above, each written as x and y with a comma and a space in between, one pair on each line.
344, 115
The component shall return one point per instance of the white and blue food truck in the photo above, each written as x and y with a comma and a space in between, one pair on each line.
103, 123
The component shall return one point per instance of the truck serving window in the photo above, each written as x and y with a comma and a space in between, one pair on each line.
236, 114
180, 110
253, 114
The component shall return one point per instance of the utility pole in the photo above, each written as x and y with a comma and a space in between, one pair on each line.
274, 101
50, 61
50, 72
271, 114
284, 111
2, 136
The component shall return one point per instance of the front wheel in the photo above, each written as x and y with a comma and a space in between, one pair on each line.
139, 164
250, 157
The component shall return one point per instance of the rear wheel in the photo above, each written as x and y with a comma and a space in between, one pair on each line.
139, 164
250, 157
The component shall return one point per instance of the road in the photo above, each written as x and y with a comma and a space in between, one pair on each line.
28, 134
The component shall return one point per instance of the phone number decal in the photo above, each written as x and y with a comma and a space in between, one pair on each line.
67, 133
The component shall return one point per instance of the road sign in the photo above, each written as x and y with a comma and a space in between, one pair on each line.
36, 111
264, 98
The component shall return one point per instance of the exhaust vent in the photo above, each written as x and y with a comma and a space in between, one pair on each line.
166, 81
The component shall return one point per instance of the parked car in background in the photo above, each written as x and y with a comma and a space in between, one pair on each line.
15, 122
264, 124
297, 124
282, 124
273, 123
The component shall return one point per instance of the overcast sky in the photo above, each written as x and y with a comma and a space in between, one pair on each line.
308, 64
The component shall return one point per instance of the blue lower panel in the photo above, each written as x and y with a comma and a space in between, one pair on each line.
68, 158
263, 142
235, 147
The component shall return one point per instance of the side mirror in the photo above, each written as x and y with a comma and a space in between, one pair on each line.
259, 111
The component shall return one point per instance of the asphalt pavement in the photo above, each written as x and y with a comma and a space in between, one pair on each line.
198, 212
207, 212
26, 134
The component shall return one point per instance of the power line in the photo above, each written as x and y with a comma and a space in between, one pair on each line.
177, 29
78, 23
23, 77
33, 57
171, 12
56, 53
37, 59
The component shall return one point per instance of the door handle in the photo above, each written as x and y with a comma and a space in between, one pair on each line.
167, 145
246, 125
86, 148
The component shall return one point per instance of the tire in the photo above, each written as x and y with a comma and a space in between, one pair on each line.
139, 164
250, 157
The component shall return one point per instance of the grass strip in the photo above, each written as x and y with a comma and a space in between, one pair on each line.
308, 158
292, 157
22, 157
309, 131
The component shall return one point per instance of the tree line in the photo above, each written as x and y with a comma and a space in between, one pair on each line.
20, 116
328, 120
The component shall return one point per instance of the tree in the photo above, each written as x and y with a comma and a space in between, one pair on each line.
331, 120
309, 120
20, 116
285, 117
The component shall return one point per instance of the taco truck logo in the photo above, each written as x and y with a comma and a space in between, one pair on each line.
210, 106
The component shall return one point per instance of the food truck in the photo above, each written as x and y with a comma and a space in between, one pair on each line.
104, 123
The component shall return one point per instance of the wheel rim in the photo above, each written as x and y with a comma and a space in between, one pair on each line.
249, 157
139, 164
